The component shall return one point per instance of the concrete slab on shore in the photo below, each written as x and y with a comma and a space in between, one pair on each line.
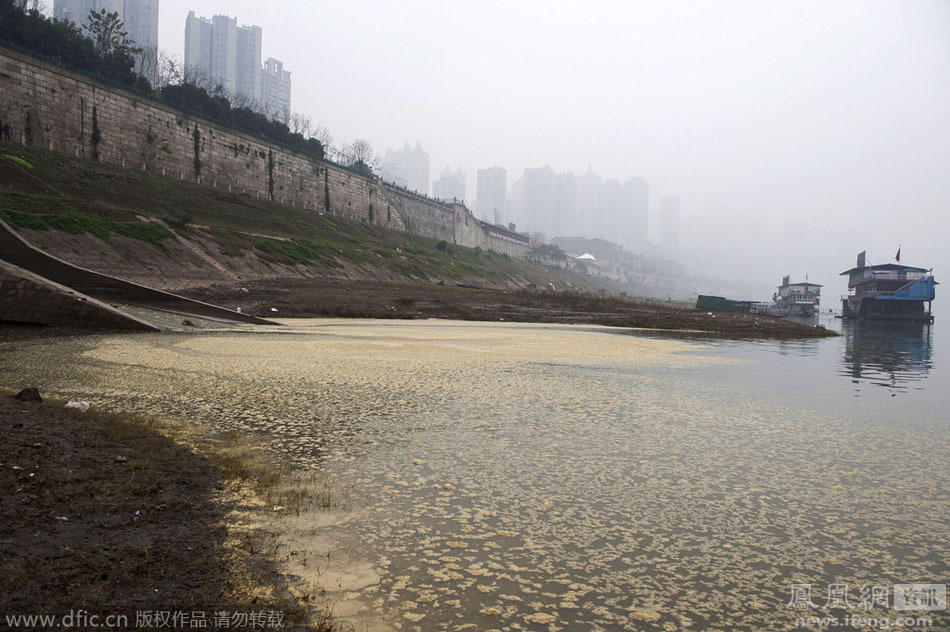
29, 298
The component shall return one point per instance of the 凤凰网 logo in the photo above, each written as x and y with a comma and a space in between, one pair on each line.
920, 597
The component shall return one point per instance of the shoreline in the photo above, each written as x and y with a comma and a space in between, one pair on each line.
115, 514
426, 414
336, 298
254, 520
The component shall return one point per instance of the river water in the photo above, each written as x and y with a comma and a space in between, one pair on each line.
550, 477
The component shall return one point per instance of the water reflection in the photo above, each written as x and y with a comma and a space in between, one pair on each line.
799, 348
895, 355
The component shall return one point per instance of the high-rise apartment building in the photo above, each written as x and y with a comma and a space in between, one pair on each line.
141, 23
539, 202
275, 90
77, 11
222, 53
450, 185
209, 44
669, 222
492, 185
566, 218
407, 167
550, 202
614, 207
562, 204
139, 17
198, 39
590, 219
638, 234
624, 210
247, 65
223, 68
516, 204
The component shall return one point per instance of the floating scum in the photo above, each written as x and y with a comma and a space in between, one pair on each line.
540, 477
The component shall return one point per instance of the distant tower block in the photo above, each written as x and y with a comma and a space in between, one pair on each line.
407, 167
490, 196
275, 89
450, 186
669, 223
218, 52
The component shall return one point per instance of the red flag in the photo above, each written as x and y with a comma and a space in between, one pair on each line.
898, 255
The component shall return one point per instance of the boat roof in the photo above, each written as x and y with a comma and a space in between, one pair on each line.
803, 283
887, 266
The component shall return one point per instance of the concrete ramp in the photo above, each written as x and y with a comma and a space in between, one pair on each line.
29, 298
17, 251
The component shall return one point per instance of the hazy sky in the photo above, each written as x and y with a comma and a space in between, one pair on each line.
795, 133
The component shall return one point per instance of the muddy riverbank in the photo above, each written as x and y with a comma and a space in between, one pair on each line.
334, 298
115, 515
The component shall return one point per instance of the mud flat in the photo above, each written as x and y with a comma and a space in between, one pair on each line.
313, 298
479, 476
113, 516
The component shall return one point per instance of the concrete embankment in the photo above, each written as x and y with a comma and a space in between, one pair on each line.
29, 298
58, 277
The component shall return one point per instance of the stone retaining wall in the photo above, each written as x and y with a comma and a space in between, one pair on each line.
51, 108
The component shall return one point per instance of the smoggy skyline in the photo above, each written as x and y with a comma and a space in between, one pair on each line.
794, 133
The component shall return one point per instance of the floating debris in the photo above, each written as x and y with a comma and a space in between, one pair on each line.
588, 469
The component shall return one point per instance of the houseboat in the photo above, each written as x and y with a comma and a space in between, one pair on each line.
890, 291
796, 299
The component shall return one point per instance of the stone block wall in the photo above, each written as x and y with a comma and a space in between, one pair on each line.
422, 215
473, 233
51, 108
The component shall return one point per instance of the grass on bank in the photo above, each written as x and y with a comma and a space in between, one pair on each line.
17, 160
77, 195
71, 219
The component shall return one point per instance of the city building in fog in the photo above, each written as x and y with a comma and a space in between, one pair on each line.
562, 204
210, 50
247, 64
638, 234
567, 220
450, 185
275, 90
590, 217
669, 223
490, 197
141, 23
220, 53
223, 69
549, 202
198, 53
516, 204
407, 167
614, 206
622, 212
77, 11
538, 199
